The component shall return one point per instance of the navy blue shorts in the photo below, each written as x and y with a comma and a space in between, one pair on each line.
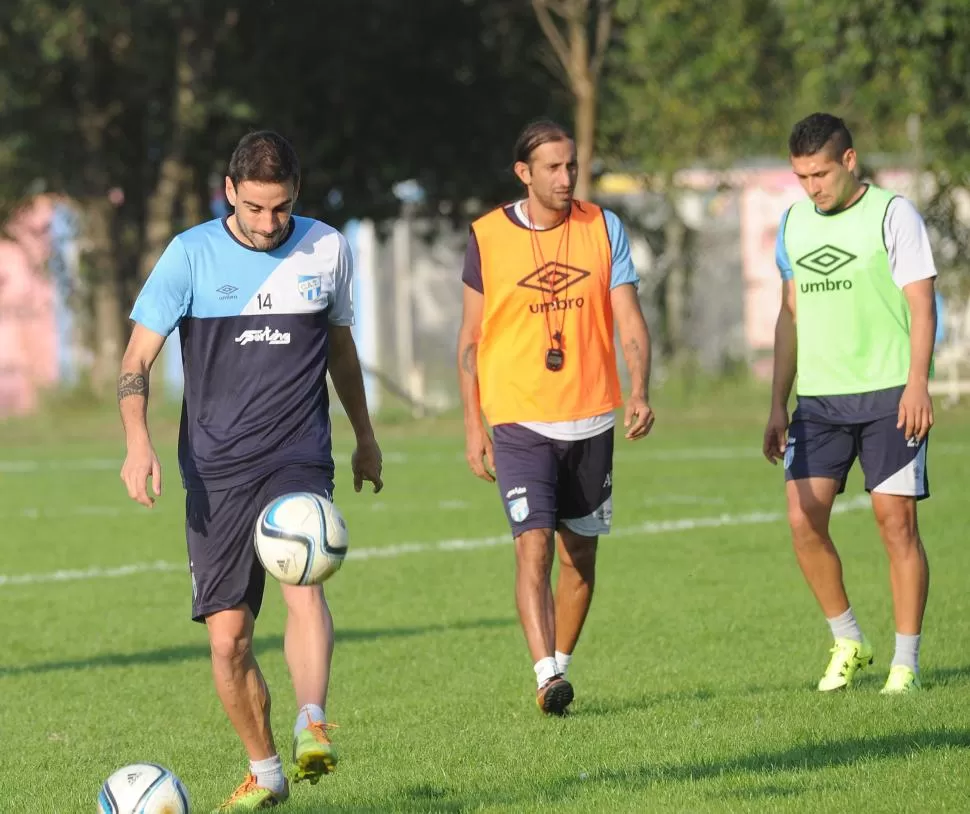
890, 464
545, 483
219, 528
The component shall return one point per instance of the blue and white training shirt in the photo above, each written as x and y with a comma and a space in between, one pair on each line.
254, 333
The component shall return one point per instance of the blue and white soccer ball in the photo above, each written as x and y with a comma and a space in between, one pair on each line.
301, 538
143, 788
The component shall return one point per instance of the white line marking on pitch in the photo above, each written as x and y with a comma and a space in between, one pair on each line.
34, 513
645, 453
458, 544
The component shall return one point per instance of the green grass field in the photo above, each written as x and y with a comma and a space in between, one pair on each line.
694, 677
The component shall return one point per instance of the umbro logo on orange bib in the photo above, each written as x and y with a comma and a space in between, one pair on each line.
553, 278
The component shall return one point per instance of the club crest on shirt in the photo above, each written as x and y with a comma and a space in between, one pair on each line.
311, 287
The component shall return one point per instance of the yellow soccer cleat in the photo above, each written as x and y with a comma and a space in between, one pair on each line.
902, 680
250, 796
313, 753
848, 657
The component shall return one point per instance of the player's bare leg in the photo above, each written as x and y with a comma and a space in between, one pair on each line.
534, 554
810, 502
533, 591
308, 646
574, 589
246, 700
909, 576
239, 682
308, 642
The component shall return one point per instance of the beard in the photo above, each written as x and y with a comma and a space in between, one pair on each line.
557, 201
260, 241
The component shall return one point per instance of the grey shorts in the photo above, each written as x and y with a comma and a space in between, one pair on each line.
219, 528
545, 483
890, 464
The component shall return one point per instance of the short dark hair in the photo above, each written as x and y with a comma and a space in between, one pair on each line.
818, 132
537, 133
264, 156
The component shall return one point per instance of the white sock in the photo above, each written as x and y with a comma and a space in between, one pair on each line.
308, 713
269, 773
845, 626
562, 661
545, 669
907, 651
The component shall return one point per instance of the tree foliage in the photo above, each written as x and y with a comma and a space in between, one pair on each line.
877, 66
686, 85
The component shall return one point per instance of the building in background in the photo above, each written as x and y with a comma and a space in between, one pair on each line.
408, 296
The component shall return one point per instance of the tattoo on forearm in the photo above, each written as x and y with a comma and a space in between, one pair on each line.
635, 364
132, 384
631, 350
469, 361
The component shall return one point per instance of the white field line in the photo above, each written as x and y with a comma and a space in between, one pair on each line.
38, 513
457, 544
622, 453
34, 467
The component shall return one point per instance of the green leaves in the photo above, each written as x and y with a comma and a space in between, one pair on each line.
876, 64
686, 84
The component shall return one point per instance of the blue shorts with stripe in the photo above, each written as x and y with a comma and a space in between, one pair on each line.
818, 447
219, 529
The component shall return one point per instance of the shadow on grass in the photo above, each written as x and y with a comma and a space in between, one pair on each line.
869, 681
945, 676
600, 707
261, 644
811, 757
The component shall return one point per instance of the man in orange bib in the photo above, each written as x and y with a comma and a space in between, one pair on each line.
545, 279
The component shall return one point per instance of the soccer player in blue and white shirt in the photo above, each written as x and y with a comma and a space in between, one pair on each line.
262, 300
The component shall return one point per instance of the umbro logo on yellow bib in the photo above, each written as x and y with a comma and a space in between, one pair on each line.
826, 260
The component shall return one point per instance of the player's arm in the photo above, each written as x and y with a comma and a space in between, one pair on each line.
914, 271
348, 381
635, 342
921, 297
915, 406
347, 377
478, 444
161, 304
786, 347
136, 365
469, 335
784, 366
632, 327
141, 461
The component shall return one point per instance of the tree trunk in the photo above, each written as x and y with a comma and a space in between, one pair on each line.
107, 330
676, 288
162, 202
585, 138
584, 91
582, 59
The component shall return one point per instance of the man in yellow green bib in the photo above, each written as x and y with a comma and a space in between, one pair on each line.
857, 325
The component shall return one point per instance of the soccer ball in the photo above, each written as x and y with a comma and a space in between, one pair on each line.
301, 538
143, 788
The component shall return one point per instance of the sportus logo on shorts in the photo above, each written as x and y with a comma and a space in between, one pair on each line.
267, 335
